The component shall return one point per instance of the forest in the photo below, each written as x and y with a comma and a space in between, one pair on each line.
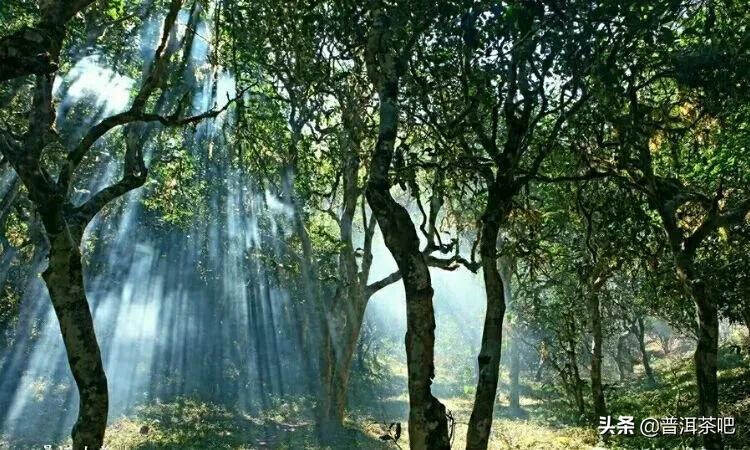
374, 224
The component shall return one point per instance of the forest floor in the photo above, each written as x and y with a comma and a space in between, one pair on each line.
548, 421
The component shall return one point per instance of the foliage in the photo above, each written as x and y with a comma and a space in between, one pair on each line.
175, 190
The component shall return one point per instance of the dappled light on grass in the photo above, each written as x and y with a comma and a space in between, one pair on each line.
187, 423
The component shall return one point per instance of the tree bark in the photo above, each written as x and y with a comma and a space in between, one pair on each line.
515, 369
640, 329
352, 294
64, 280
497, 290
706, 367
597, 393
706, 352
341, 368
36, 50
480, 421
319, 332
386, 62
64, 222
26, 52
351, 297
428, 426
622, 357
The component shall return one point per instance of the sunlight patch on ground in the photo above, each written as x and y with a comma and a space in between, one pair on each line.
511, 433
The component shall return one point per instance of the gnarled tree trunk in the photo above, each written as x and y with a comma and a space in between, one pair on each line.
496, 211
341, 367
428, 427
706, 353
36, 50
351, 299
480, 421
64, 280
386, 62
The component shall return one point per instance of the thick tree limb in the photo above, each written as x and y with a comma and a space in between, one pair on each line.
35, 50
26, 52
714, 221
380, 284
591, 174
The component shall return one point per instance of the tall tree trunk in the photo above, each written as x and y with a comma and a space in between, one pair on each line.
515, 369
572, 364
506, 272
706, 366
622, 357
706, 355
428, 426
314, 334
597, 393
64, 280
386, 60
351, 299
480, 421
339, 387
318, 336
640, 328
706, 352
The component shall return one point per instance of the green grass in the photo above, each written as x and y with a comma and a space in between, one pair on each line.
188, 423
548, 421
674, 395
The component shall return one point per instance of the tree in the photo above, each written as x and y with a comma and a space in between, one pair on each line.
391, 37
663, 115
64, 221
504, 121
35, 50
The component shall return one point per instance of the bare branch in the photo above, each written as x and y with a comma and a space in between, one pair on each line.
452, 263
591, 174
380, 284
